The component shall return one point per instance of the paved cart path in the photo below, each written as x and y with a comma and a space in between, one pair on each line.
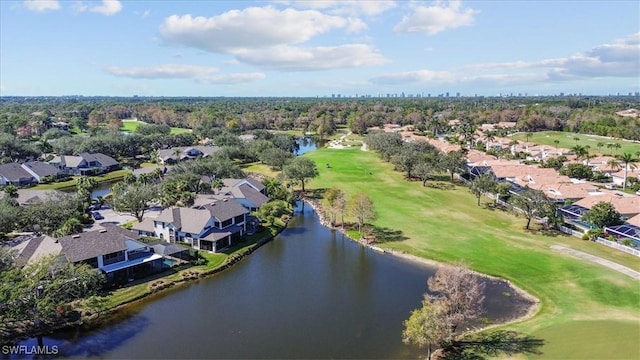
598, 260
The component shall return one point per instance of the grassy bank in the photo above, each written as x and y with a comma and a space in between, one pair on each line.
567, 140
215, 262
71, 184
442, 222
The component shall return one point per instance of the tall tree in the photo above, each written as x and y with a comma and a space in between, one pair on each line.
133, 198
361, 207
425, 327
628, 161
300, 169
532, 203
334, 199
482, 184
456, 295
452, 162
602, 214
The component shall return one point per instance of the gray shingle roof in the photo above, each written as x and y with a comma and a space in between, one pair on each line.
41, 168
103, 159
165, 249
225, 209
91, 244
252, 195
15, 173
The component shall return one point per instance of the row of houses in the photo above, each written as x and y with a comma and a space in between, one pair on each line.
32, 172
214, 223
578, 195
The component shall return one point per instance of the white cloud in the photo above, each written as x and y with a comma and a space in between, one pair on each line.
107, 7
249, 28
355, 25
292, 58
271, 38
202, 74
436, 18
41, 5
345, 7
620, 58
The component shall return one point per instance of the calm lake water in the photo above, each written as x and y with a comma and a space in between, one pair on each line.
309, 293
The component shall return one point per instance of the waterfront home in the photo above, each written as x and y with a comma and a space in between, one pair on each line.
114, 251
41, 170
210, 227
26, 249
85, 164
14, 174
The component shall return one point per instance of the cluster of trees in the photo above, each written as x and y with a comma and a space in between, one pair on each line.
594, 115
61, 214
44, 291
455, 297
417, 159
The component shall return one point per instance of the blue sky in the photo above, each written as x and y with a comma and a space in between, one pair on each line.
318, 48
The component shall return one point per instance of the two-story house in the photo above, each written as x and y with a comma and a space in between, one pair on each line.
173, 155
210, 227
85, 164
112, 250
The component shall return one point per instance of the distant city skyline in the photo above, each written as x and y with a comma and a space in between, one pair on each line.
319, 48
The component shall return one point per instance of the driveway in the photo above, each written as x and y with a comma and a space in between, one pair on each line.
598, 260
113, 217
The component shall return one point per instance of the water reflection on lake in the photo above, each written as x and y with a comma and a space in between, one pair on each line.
310, 293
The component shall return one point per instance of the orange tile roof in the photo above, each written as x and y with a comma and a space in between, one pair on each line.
624, 204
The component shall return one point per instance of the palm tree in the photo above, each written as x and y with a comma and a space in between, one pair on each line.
614, 164
617, 146
216, 185
490, 137
627, 159
600, 145
556, 141
576, 139
580, 151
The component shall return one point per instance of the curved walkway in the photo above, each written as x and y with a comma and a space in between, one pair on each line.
598, 260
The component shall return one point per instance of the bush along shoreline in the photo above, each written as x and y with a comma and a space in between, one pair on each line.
87, 316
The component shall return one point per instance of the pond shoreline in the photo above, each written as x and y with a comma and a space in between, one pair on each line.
156, 287
531, 310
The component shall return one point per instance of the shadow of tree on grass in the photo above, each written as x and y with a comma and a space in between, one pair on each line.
441, 185
384, 234
491, 345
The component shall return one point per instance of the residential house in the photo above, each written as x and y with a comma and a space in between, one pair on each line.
210, 227
244, 194
173, 155
29, 248
630, 230
13, 173
85, 164
255, 184
114, 251
40, 170
27, 197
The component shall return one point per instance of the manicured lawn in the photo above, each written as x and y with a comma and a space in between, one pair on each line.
70, 184
566, 141
131, 126
443, 223
602, 337
259, 168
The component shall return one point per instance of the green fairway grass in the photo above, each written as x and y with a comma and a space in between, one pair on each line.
443, 223
566, 141
131, 126
581, 339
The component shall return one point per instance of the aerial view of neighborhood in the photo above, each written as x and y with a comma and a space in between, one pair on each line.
319, 179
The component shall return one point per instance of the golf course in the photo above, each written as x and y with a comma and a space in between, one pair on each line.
567, 140
586, 311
